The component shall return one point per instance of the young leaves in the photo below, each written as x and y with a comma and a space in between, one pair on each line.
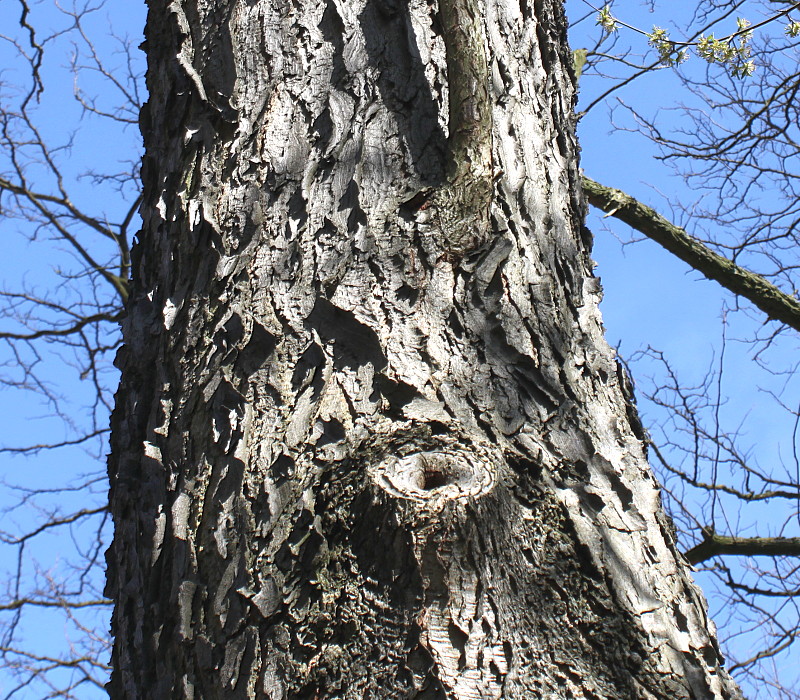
732, 51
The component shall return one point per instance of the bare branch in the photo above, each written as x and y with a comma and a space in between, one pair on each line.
22, 602
714, 545
767, 297
36, 64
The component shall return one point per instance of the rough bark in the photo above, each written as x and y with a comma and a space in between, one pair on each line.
352, 458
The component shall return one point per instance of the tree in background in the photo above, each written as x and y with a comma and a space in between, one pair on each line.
61, 599
67, 226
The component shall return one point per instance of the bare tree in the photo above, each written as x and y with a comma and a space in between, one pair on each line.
67, 223
75, 321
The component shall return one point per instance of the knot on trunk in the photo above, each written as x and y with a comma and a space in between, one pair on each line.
438, 475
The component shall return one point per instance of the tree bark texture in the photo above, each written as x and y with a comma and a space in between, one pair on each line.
358, 451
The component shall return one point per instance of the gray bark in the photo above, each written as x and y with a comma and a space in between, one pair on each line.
352, 456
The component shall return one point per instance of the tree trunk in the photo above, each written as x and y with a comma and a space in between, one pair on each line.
370, 442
